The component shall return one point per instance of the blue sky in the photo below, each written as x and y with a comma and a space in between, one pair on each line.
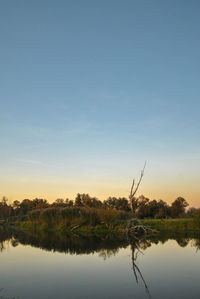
89, 90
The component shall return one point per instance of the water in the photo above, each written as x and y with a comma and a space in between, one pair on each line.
56, 266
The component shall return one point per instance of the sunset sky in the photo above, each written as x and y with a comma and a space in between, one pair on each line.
90, 90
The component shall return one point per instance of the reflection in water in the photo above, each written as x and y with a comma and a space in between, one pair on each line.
136, 246
5, 237
196, 244
104, 246
59, 242
183, 242
74, 244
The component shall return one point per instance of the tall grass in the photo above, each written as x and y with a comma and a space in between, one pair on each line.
75, 216
173, 225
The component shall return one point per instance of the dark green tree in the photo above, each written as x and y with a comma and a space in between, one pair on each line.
178, 207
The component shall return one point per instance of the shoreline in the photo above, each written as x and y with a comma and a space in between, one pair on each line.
174, 226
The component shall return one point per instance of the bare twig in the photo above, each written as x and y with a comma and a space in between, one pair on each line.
132, 187
133, 192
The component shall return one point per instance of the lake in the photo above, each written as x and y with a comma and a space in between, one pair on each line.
57, 266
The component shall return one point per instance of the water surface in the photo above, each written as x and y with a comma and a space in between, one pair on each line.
57, 266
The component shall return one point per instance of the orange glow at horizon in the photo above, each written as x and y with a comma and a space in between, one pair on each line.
166, 189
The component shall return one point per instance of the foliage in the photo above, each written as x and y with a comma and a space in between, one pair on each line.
197, 217
120, 203
178, 207
172, 225
75, 216
147, 208
91, 211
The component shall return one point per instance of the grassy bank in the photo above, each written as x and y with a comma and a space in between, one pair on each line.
74, 220
100, 230
91, 221
173, 225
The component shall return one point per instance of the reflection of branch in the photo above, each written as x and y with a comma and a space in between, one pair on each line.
133, 263
136, 269
2, 247
146, 287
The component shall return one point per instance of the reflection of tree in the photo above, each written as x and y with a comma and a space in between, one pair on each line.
136, 246
196, 243
5, 236
107, 253
183, 242
2, 246
14, 243
72, 244
104, 246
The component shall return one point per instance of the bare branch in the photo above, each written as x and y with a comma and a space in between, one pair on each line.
133, 201
132, 188
138, 184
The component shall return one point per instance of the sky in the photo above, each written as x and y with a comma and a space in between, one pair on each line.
90, 90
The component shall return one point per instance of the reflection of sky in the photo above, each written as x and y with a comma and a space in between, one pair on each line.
89, 91
170, 271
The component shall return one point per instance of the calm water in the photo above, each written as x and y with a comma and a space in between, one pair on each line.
53, 266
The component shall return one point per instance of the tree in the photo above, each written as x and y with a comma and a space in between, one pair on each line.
4, 200
133, 200
16, 204
122, 204
5, 210
178, 207
78, 201
68, 202
110, 203
39, 203
191, 212
59, 201
16, 207
142, 209
162, 210
26, 205
85, 200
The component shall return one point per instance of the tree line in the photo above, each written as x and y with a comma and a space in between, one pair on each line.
145, 208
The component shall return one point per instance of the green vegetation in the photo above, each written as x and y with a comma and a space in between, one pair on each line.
180, 225
89, 216
73, 219
143, 206
82, 226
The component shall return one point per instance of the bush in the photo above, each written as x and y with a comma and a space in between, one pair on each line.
72, 216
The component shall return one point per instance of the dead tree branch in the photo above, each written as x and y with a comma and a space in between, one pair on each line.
134, 227
133, 192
